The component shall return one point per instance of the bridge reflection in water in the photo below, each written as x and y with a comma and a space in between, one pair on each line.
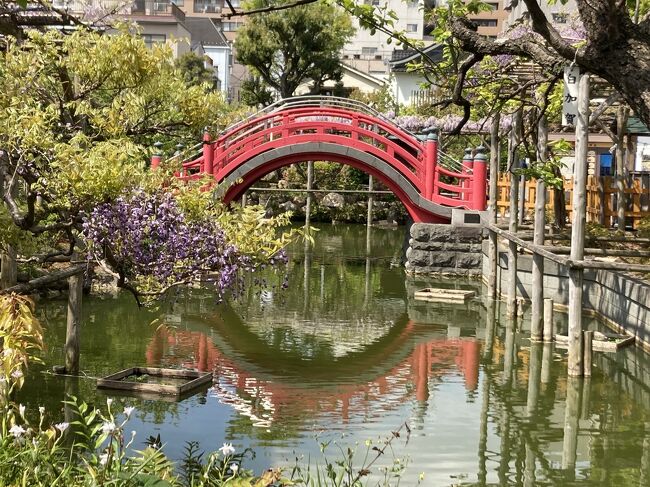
267, 400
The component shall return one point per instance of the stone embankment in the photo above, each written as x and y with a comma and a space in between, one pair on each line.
444, 249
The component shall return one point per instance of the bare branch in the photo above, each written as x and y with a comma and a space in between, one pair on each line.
270, 8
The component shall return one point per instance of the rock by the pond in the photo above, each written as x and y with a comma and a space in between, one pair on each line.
333, 200
288, 206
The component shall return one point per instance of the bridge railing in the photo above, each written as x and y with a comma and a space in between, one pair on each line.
437, 175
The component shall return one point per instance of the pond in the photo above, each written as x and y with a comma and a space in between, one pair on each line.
346, 355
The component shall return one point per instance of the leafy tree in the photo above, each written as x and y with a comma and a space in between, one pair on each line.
80, 113
254, 92
289, 47
192, 67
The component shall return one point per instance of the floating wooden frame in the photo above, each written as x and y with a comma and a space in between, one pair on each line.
194, 380
613, 344
444, 295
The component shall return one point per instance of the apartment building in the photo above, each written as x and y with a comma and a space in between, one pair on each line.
371, 53
558, 13
493, 21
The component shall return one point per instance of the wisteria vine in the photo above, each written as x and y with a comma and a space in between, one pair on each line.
149, 242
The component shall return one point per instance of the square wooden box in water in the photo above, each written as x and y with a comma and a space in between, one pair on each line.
165, 381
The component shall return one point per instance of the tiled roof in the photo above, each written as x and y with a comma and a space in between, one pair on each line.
402, 57
205, 32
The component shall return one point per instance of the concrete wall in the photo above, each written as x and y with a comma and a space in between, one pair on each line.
620, 299
444, 249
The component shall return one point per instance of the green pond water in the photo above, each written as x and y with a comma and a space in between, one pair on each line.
347, 355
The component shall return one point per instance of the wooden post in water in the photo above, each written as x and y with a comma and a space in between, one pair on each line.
493, 252
537, 295
588, 352
571, 416
511, 307
509, 350
490, 327
371, 201
579, 206
75, 293
548, 320
310, 184
534, 375
621, 203
483, 431
644, 474
547, 360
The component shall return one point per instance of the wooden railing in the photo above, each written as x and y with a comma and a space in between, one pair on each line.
601, 198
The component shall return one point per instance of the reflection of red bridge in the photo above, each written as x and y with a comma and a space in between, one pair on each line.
265, 400
348, 132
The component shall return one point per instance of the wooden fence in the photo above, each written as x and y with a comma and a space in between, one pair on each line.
601, 198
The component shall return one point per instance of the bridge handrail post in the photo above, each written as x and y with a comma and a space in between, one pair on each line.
430, 163
208, 154
156, 157
467, 170
479, 181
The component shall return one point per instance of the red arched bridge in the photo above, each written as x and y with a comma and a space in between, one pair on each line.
428, 182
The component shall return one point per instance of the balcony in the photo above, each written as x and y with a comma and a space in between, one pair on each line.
162, 8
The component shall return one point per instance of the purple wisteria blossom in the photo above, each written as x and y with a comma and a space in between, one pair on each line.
147, 236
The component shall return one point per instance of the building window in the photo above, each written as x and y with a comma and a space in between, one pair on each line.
411, 27
231, 26
378, 57
560, 18
368, 51
179, 3
485, 22
357, 56
493, 5
207, 6
151, 39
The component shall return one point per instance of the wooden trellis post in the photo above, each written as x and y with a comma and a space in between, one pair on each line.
537, 296
493, 253
515, 139
575, 367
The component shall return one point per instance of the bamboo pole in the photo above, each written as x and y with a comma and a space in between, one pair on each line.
578, 229
493, 253
75, 293
511, 307
537, 296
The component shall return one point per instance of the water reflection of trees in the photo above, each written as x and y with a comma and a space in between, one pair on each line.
548, 428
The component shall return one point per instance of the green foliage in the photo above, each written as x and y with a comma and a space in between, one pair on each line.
21, 336
80, 112
95, 449
289, 47
254, 92
549, 171
381, 100
192, 67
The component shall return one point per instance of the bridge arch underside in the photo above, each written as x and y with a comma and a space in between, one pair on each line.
251, 171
